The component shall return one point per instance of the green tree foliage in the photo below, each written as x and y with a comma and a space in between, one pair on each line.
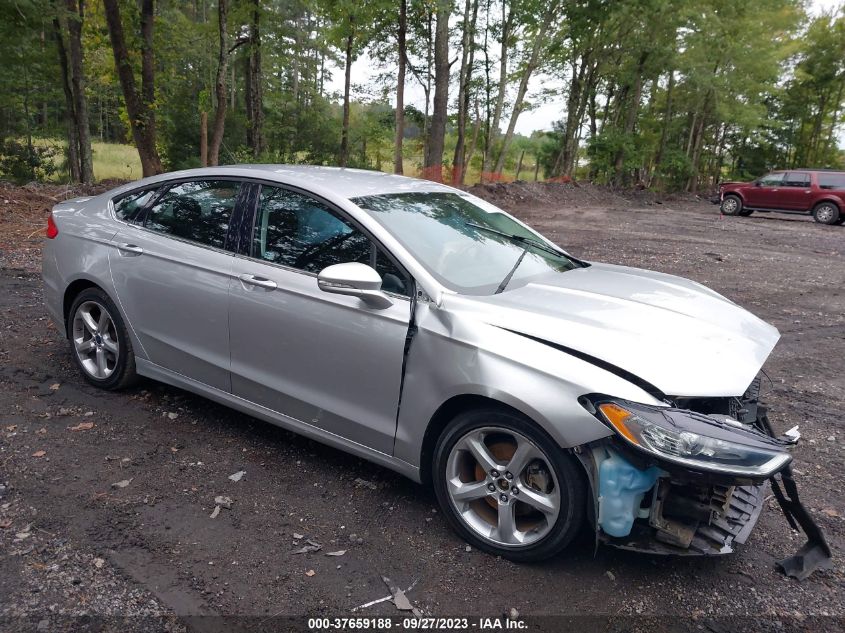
663, 93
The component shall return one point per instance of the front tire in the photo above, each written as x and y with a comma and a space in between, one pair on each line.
731, 205
826, 213
99, 341
506, 488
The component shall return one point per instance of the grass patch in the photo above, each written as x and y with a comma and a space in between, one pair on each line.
111, 160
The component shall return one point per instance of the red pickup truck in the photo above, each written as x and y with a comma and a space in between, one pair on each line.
819, 192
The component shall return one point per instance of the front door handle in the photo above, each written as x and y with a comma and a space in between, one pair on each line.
132, 249
261, 282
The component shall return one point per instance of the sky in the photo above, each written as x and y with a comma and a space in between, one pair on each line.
540, 118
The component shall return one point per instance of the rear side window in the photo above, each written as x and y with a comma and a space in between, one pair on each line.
126, 207
199, 211
831, 181
797, 179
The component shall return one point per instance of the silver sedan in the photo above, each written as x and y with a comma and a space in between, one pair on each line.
424, 329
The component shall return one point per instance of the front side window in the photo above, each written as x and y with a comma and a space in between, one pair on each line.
771, 180
466, 244
198, 211
797, 179
127, 206
297, 231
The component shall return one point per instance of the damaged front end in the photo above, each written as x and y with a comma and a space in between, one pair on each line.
689, 479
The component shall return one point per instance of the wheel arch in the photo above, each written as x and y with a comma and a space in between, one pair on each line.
72, 291
447, 412
832, 201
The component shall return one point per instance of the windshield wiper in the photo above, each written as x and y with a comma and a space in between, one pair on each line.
509, 276
520, 239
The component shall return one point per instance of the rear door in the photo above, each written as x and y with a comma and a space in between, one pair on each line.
328, 360
171, 269
796, 193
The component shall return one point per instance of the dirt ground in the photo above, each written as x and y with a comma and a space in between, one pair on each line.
105, 498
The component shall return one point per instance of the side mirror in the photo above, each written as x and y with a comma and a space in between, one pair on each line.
355, 280
758, 183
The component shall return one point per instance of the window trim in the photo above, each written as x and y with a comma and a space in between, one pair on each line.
251, 217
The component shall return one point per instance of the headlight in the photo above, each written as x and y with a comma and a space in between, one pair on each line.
692, 440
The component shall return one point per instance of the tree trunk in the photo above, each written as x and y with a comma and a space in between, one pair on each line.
467, 59
70, 110
220, 84
254, 87
503, 84
76, 14
401, 33
530, 67
139, 109
664, 133
344, 133
204, 139
433, 167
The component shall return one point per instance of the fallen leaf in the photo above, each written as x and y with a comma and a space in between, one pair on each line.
298, 536
5, 524
307, 549
11, 427
238, 475
339, 552
830, 512
226, 502
55, 386
214, 512
173, 449
82, 426
310, 573
39, 453
121, 484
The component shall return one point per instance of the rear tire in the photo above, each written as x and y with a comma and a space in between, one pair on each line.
99, 341
826, 213
526, 515
746, 212
731, 205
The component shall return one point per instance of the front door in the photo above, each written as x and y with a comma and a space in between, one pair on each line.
324, 359
171, 272
765, 192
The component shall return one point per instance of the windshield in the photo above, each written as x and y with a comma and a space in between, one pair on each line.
468, 245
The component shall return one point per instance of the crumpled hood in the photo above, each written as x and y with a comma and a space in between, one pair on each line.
676, 334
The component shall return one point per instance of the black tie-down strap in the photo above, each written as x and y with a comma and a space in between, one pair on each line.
815, 553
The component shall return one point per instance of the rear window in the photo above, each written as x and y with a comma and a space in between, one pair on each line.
831, 181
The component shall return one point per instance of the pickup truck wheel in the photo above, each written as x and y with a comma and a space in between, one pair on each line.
826, 213
731, 205
507, 488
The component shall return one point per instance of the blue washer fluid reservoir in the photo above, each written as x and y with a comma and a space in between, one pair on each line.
621, 489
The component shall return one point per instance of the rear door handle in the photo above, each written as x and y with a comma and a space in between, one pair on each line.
130, 249
261, 282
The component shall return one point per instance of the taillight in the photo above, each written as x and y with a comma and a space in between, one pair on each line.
52, 230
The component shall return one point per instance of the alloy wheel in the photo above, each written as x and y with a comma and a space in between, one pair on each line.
502, 486
729, 205
824, 213
95, 340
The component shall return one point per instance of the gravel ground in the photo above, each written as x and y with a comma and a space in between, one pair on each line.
106, 498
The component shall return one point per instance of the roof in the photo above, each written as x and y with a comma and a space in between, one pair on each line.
344, 182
